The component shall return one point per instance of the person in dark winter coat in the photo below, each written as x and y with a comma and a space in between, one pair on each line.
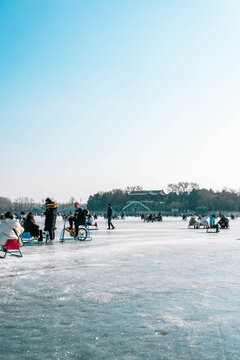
224, 222
31, 226
109, 217
51, 216
79, 218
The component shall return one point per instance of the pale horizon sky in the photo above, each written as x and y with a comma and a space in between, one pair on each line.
105, 94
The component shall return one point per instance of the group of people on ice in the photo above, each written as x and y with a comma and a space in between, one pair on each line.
209, 222
152, 217
13, 227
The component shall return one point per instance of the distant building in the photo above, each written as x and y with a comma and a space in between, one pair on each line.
154, 199
202, 210
151, 195
135, 207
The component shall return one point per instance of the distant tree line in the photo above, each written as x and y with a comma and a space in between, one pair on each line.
192, 197
19, 204
28, 204
182, 196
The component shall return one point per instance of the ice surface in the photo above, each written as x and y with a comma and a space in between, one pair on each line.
141, 291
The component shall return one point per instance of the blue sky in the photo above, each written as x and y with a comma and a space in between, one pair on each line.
104, 94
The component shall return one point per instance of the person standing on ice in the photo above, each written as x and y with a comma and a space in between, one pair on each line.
109, 217
51, 217
212, 223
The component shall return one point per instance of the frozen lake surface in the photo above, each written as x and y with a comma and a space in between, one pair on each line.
142, 291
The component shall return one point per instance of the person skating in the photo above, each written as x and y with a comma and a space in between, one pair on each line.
51, 216
109, 217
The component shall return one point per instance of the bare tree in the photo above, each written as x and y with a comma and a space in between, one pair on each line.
134, 188
5, 204
182, 187
72, 201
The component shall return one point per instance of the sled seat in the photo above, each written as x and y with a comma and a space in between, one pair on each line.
28, 239
92, 226
26, 236
195, 226
12, 248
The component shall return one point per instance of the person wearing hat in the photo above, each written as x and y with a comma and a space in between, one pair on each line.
51, 216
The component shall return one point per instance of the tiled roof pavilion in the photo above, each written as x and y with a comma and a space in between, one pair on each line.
148, 193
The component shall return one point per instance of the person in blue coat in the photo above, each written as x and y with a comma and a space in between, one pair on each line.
212, 223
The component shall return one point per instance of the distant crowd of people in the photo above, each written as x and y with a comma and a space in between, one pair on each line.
152, 217
11, 227
208, 221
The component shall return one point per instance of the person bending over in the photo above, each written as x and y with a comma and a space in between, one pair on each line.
193, 221
204, 221
224, 222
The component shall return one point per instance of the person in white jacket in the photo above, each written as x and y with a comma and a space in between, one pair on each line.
7, 227
204, 221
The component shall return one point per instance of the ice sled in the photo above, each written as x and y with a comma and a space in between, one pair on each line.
28, 239
211, 229
226, 227
12, 248
92, 226
197, 226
